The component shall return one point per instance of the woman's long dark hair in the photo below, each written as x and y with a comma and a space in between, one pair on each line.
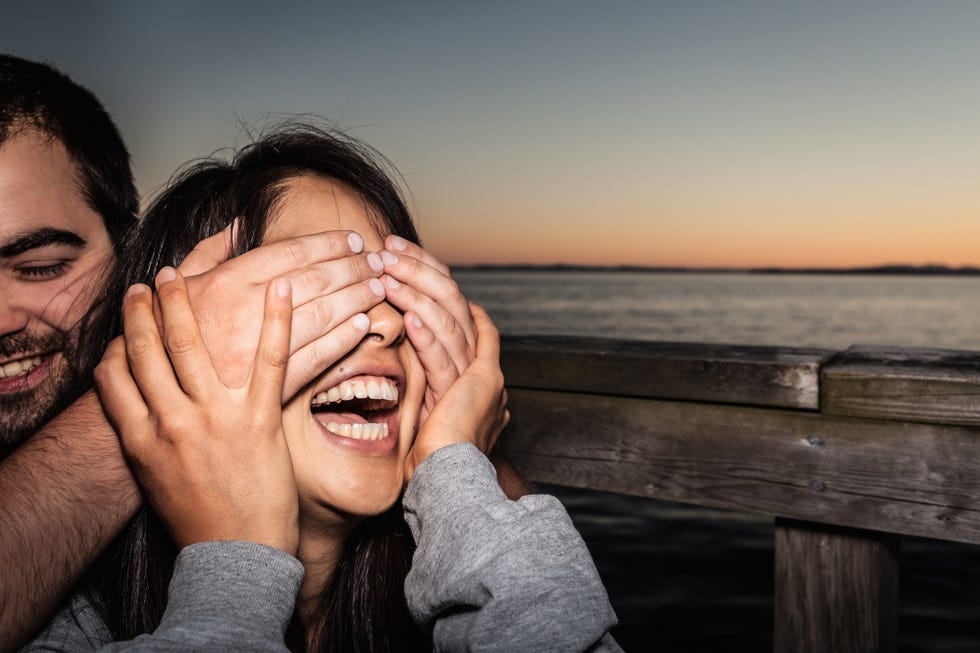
363, 608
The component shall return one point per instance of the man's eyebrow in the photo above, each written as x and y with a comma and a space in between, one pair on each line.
42, 237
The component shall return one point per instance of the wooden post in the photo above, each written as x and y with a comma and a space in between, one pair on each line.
836, 589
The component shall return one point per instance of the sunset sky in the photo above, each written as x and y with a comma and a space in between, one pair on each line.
701, 133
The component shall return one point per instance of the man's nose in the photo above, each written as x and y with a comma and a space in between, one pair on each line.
13, 316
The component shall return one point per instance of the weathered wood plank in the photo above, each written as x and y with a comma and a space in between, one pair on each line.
758, 376
938, 386
916, 479
836, 589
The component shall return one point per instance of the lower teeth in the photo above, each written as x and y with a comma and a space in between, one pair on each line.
370, 431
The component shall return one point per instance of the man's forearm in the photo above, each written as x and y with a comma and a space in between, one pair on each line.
64, 494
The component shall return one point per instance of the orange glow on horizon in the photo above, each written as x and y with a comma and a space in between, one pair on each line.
810, 239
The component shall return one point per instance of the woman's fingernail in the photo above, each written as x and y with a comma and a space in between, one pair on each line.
135, 290
362, 321
282, 287
166, 275
388, 258
416, 321
399, 243
356, 242
375, 262
392, 283
377, 287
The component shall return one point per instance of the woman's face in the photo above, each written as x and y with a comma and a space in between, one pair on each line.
349, 450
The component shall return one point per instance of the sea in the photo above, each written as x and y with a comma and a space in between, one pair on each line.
689, 579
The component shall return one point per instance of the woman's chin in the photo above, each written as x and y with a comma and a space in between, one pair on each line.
351, 502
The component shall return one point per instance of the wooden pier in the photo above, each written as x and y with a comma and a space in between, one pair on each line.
846, 450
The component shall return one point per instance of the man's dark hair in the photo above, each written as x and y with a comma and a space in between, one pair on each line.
36, 96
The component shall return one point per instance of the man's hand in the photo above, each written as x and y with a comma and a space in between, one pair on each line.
212, 457
332, 281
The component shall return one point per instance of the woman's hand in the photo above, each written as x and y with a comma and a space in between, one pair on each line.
422, 288
332, 279
212, 457
474, 408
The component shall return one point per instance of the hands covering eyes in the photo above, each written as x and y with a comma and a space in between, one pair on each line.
195, 386
212, 457
459, 348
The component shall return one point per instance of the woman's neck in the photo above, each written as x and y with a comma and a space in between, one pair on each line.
321, 547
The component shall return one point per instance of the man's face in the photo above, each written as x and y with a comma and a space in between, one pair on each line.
53, 250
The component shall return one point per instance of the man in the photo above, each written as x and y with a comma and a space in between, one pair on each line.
67, 200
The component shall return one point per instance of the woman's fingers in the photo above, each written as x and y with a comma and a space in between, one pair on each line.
488, 344
121, 398
399, 245
431, 278
440, 369
181, 335
145, 353
474, 408
445, 326
272, 354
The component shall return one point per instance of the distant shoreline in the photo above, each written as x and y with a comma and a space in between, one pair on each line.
892, 270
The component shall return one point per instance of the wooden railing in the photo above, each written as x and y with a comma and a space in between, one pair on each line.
847, 450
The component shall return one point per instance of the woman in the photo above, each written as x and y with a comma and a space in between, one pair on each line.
242, 485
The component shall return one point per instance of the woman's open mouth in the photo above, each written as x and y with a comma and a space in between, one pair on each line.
363, 408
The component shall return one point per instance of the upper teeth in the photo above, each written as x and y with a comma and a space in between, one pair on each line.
347, 390
15, 368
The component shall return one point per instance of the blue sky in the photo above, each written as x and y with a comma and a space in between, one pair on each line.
682, 133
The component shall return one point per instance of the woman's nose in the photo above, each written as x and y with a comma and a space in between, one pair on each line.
387, 325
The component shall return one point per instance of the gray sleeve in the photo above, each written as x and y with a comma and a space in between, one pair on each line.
491, 574
224, 596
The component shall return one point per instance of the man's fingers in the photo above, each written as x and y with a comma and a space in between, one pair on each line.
147, 358
277, 259
182, 336
440, 369
326, 277
272, 354
208, 253
323, 314
309, 361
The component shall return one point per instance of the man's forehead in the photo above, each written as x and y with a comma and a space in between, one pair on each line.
39, 188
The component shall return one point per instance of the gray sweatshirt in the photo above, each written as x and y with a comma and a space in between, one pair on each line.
489, 574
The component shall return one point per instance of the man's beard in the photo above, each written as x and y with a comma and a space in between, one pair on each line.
23, 413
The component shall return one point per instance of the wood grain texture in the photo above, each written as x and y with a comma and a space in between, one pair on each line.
836, 590
937, 386
916, 479
756, 376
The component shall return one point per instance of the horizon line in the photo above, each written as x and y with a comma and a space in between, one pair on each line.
890, 268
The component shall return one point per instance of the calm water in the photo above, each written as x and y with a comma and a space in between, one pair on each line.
690, 579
